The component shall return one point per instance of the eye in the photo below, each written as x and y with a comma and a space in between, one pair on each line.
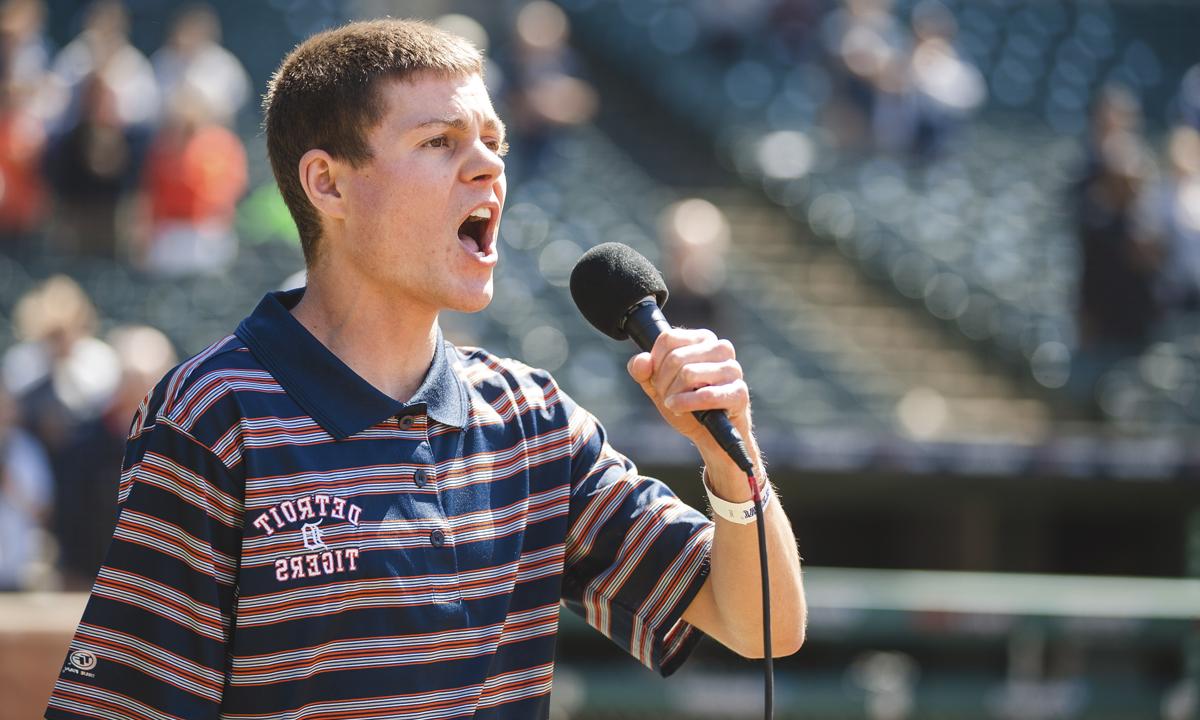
499, 147
438, 142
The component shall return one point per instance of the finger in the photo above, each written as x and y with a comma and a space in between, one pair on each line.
732, 397
706, 351
640, 368
695, 375
677, 338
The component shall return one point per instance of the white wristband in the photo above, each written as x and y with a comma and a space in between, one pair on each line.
741, 513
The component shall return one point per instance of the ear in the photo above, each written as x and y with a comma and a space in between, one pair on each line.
319, 174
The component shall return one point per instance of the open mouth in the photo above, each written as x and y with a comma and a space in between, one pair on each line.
473, 232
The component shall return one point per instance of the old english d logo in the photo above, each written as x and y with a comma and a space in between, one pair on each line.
311, 532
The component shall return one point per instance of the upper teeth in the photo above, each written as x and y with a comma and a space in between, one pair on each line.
481, 214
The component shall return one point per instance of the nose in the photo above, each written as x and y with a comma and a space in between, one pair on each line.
484, 167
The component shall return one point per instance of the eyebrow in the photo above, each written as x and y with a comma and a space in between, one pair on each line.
458, 123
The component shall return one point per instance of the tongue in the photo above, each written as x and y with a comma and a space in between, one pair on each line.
469, 242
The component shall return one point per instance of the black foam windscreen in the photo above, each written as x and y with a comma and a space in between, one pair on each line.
609, 280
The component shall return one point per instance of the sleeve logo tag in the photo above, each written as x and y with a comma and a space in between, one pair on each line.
81, 663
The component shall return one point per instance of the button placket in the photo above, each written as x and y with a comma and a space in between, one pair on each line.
441, 546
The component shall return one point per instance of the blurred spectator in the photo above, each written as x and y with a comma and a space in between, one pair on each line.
63, 377
544, 92
101, 102
1116, 111
90, 167
61, 373
26, 491
695, 237
947, 87
1119, 258
893, 111
27, 56
103, 50
92, 462
22, 140
1174, 219
1117, 300
867, 49
192, 62
195, 174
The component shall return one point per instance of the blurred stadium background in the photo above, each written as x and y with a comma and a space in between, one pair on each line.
957, 244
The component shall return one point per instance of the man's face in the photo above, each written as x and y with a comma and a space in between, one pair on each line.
436, 163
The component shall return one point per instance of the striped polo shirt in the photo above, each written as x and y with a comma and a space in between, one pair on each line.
292, 543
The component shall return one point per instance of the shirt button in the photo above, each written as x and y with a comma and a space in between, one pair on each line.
420, 477
406, 422
437, 538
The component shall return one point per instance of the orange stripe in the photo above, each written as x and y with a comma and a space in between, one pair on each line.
151, 660
120, 710
550, 623
161, 600
385, 592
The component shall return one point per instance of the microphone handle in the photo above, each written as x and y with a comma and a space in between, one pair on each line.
644, 323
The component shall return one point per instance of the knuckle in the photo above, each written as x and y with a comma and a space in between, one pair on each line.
676, 359
677, 337
727, 346
689, 374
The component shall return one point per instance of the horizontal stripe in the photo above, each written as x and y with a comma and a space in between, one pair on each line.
146, 530
470, 469
163, 472
213, 386
406, 591
433, 705
150, 659
97, 702
395, 650
161, 600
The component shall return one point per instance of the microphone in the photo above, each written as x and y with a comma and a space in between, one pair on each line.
621, 293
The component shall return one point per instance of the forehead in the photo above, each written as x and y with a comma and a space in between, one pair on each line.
415, 99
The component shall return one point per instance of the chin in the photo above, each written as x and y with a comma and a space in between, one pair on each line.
475, 301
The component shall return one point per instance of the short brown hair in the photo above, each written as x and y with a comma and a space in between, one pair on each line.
325, 95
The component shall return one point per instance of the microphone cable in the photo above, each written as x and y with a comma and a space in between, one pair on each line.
735, 446
768, 660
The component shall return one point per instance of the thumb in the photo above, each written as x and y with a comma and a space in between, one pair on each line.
640, 368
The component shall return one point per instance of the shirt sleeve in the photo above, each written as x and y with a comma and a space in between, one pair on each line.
152, 643
636, 555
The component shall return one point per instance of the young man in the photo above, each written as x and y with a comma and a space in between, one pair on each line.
334, 514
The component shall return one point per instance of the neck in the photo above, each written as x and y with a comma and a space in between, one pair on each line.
388, 344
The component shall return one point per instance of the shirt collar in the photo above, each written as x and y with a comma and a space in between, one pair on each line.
328, 390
